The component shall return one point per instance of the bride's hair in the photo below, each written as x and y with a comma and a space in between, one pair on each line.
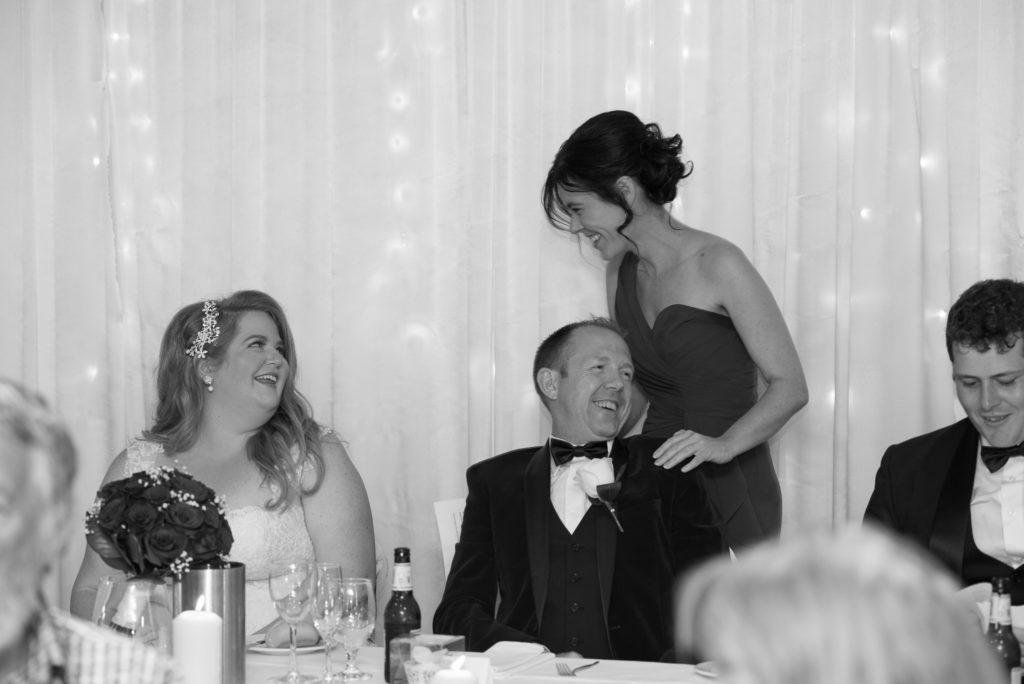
283, 446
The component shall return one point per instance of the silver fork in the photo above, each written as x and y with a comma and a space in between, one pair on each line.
566, 671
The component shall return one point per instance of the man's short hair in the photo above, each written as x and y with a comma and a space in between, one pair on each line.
551, 352
30, 430
988, 314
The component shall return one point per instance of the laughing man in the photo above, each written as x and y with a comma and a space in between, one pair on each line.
566, 569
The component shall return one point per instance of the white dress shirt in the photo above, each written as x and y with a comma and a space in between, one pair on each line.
997, 510
567, 496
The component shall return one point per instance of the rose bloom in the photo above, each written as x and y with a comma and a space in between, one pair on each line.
209, 543
140, 515
213, 517
158, 494
191, 486
112, 513
164, 544
184, 516
595, 472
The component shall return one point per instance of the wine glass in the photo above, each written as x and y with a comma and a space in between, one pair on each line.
332, 570
291, 586
358, 613
326, 610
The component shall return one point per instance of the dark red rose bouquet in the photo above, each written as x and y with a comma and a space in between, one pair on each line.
158, 522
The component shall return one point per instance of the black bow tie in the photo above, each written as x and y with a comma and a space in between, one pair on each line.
995, 458
563, 452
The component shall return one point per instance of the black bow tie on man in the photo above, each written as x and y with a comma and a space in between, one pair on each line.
563, 452
995, 458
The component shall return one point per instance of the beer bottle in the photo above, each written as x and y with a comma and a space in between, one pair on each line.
1000, 632
402, 613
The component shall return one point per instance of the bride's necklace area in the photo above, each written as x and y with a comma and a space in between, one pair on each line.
235, 479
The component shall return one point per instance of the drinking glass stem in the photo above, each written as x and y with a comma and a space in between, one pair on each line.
350, 659
328, 673
292, 637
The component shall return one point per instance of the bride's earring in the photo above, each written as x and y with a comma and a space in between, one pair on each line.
208, 381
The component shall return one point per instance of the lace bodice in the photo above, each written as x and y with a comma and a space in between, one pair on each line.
261, 537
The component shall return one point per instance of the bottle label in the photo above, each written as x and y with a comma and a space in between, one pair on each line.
402, 580
1001, 609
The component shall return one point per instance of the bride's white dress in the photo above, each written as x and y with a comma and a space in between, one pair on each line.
261, 537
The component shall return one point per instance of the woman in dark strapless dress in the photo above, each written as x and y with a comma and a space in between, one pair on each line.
701, 324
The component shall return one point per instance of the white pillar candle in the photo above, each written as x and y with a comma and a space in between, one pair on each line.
197, 646
454, 677
455, 674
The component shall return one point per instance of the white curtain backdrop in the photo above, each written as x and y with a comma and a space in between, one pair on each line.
376, 165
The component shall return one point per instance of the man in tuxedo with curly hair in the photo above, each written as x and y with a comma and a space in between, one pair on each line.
959, 491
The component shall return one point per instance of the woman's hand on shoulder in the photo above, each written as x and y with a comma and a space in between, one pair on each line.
686, 443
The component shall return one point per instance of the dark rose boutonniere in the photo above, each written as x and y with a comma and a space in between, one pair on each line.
601, 484
158, 522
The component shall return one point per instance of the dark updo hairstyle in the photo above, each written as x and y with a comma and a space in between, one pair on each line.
988, 314
282, 446
607, 147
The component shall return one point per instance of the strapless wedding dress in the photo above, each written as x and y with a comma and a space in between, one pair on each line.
261, 537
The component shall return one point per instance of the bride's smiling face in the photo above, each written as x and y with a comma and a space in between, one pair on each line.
596, 220
254, 367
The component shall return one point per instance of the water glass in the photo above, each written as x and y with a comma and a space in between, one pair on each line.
327, 612
291, 588
358, 612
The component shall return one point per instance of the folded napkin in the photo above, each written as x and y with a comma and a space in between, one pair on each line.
975, 601
510, 657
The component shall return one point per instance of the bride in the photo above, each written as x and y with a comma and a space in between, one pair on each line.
228, 413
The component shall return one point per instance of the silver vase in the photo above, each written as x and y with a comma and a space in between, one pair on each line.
223, 592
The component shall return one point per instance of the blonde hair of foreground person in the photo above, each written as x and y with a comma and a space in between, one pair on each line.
853, 607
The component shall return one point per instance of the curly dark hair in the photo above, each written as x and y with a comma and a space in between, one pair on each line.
551, 352
607, 147
988, 314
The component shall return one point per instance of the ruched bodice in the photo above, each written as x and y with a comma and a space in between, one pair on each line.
698, 375
261, 537
694, 368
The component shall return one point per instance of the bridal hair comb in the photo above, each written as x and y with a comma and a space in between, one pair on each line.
209, 333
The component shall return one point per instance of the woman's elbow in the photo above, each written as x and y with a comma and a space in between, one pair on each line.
800, 395
790, 394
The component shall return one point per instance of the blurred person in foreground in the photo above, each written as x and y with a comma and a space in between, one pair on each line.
957, 491
38, 643
566, 570
852, 607
229, 413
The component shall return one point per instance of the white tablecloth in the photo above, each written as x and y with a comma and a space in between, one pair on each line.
261, 667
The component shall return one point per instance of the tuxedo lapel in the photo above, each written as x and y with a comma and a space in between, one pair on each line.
537, 512
952, 514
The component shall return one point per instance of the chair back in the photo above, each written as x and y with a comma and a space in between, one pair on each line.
448, 514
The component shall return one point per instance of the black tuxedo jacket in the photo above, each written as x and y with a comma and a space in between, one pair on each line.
923, 490
502, 553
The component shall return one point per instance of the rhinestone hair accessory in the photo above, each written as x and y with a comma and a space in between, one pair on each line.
209, 333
